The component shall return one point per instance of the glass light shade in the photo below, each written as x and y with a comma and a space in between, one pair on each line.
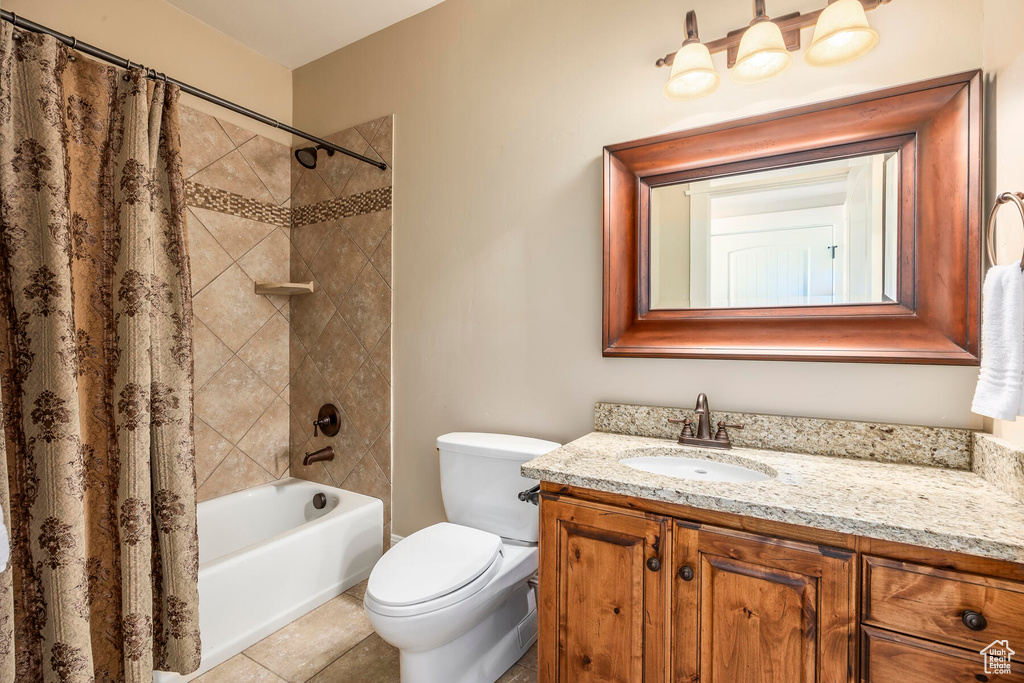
762, 53
841, 35
693, 75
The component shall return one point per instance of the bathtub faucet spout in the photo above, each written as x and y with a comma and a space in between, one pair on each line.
323, 454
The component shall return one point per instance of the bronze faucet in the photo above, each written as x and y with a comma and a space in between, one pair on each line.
703, 436
324, 454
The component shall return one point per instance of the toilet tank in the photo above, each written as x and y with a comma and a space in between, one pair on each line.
480, 482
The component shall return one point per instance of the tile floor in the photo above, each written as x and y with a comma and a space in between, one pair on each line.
332, 644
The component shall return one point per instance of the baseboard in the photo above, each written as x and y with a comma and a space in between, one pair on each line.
395, 538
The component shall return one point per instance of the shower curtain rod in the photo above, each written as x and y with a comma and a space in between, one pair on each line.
153, 74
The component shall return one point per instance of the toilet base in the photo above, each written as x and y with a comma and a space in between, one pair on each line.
483, 653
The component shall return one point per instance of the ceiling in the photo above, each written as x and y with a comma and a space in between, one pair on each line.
295, 33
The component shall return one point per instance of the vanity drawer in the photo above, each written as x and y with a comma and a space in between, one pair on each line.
931, 602
894, 658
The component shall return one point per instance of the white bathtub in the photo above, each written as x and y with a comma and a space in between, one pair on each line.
267, 556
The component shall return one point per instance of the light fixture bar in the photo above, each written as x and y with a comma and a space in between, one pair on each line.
790, 25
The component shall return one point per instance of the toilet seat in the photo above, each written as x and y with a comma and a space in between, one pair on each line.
433, 568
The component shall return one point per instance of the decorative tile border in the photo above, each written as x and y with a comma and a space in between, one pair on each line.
206, 197
371, 201
211, 198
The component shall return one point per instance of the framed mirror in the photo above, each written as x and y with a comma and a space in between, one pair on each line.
843, 231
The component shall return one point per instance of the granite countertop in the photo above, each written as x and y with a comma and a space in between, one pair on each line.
933, 507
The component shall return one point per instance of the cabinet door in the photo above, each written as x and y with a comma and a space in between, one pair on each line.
752, 609
604, 594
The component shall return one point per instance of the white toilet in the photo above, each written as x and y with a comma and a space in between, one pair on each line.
455, 598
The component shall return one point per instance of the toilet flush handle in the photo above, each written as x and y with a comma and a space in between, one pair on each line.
531, 495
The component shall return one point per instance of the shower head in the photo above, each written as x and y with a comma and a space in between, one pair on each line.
307, 155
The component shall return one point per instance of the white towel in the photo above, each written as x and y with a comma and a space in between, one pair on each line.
1001, 380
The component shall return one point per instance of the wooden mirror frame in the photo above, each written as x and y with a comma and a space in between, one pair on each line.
936, 127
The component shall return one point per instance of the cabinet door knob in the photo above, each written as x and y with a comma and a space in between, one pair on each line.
686, 574
654, 564
975, 621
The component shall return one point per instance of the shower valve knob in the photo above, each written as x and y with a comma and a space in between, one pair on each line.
327, 421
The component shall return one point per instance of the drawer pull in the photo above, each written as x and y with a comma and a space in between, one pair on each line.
686, 574
654, 564
974, 620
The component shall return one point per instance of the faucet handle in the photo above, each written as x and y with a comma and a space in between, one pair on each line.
721, 434
327, 421
687, 432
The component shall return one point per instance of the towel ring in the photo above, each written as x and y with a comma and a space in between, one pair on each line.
1018, 199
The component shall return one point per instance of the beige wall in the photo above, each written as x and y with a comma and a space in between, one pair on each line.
1004, 67
165, 38
501, 111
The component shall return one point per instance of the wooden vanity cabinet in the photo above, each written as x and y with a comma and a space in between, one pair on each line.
645, 592
632, 596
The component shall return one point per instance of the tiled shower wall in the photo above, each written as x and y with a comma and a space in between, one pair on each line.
340, 336
255, 214
238, 187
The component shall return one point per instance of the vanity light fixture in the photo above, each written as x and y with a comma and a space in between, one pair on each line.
693, 75
761, 50
841, 35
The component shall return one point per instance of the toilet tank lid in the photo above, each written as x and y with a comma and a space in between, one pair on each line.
496, 445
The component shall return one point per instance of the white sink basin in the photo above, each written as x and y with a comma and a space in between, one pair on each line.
700, 469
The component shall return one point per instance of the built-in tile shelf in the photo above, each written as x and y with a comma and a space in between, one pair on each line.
284, 288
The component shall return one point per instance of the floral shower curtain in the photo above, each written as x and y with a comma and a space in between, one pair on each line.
97, 472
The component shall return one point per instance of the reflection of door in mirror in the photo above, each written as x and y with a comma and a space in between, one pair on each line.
790, 266
818, 234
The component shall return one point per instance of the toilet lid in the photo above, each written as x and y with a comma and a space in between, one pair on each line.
432, 562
